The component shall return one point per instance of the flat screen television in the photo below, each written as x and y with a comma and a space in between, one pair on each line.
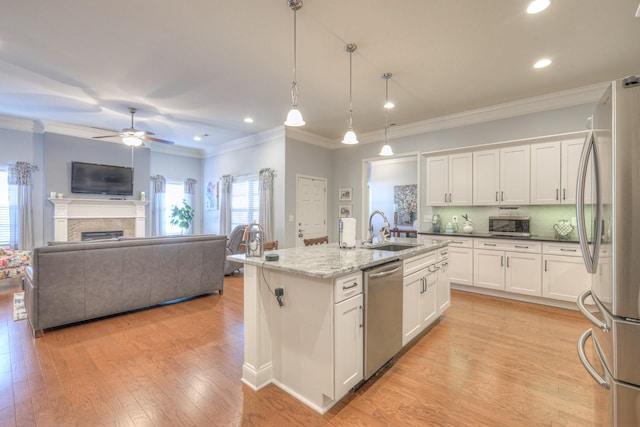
91, 178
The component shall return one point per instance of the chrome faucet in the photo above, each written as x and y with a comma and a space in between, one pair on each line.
385, 233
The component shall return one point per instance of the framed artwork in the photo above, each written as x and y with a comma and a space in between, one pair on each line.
405, 202
344, 194
211, 200
344, 211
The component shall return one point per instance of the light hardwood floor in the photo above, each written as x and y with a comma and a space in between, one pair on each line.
489, 362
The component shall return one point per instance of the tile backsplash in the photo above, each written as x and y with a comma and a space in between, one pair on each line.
542, 217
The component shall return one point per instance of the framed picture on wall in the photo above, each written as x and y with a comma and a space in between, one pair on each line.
344, 194
211, 200
344, 211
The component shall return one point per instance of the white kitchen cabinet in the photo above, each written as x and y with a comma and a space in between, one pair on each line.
419, 297
449, 180
349, 344
554, 171
460, 254
512, 266
564, 274
501, 176
443, 288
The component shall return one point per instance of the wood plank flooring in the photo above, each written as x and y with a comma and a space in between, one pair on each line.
489, 362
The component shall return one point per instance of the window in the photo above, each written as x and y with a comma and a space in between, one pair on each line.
4, 206
174, 194
245, 200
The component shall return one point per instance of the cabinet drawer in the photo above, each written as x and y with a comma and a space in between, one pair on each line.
566, 249
419, 262
443, 253
347, 286
513, 246
463, 242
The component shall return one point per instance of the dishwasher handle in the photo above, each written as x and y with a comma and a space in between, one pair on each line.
384, 273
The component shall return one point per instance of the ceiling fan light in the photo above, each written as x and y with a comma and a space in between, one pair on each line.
386, 150
294, 118
132, 141
350, 138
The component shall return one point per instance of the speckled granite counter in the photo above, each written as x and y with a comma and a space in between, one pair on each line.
538, 238
329, 261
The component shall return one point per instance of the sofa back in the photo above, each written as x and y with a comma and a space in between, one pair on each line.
79, 281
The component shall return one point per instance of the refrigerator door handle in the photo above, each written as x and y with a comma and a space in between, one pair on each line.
585, 361
583, 309
590, 258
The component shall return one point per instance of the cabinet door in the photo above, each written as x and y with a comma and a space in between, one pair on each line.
514, 175
564, 277
412, 291
444, 287
524, 273
488, 269
429, 300
461, 265
545, 173
349, 345
571, 152
460, 179
437, 180
486, 177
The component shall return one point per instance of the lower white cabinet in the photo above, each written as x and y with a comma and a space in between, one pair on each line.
349, 344
512, 266
419, 308
460, 254
443, 289
564, 275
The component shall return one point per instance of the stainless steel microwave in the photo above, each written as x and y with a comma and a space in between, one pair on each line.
516, 226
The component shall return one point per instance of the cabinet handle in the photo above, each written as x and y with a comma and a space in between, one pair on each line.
522, 247
445, 197
502, 196
450, 198
457, 242
344, 288
564, 194
496, 196
444, 253
502, 261
489, 244
557, 194
444, 264
568, 250
507, 262
361, 317
545, 265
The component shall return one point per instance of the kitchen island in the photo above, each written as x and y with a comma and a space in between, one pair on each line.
309, 341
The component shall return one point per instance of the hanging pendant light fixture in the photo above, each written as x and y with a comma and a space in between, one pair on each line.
386, 148
350, 137
294, 118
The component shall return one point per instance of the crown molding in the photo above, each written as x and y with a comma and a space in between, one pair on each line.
275, 134
536, 104
309, 138
20, 124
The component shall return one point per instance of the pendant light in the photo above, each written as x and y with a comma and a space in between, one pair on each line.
386, 148
350, 137
294, 118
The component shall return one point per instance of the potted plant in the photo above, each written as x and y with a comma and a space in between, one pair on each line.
183, 216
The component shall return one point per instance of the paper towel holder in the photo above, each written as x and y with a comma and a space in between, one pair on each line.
341, 243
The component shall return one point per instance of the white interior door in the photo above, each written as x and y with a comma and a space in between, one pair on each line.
311, 208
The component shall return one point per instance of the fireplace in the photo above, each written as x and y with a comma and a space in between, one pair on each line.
100, 235
72, 217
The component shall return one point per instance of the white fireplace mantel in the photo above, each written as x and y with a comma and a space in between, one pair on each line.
72, 208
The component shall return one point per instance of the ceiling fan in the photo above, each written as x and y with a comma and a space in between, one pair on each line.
134, 137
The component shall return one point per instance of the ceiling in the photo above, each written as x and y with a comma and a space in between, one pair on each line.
201, 67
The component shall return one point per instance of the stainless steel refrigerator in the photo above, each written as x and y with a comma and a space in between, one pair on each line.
608, 212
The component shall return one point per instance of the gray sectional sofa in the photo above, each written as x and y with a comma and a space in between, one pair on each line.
72, 282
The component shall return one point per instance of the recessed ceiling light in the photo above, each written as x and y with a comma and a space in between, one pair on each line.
537, 6
197, 138
389, 105
248, 120
545, 62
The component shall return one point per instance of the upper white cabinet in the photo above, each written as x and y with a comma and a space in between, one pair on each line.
449, 180
501, 176
554, 171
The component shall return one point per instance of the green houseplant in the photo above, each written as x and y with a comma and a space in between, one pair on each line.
182, 216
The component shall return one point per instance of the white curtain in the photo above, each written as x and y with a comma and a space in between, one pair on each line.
21, 206
225, 204
190, 198
266, 202
158, 189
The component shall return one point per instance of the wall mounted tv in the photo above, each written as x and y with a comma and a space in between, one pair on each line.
91, 178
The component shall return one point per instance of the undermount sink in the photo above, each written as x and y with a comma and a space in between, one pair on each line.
394, 247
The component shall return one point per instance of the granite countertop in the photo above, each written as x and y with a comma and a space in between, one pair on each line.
539, 238
330, 261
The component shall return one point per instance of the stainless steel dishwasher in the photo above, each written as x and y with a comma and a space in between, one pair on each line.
382, 315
